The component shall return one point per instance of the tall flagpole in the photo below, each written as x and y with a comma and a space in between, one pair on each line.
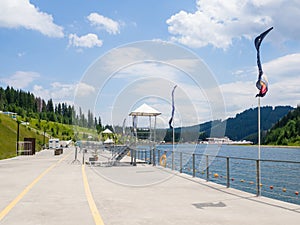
258, 128
173, 140
262, 85
258, 161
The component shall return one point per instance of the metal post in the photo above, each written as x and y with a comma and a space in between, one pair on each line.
154, 136
44, 140
258, 127
158, 157
258, 161
134, 163
18, 135
258, 191
76, 156
180, 170
83, 156
75, 153
207, 168
172, 160
227, 173
194, 169
154, 157
173, 137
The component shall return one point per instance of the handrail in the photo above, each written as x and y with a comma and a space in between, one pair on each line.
257, 176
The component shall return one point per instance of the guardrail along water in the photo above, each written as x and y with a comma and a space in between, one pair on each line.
276, 175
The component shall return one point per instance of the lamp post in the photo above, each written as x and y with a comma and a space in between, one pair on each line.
45, 128
18, 135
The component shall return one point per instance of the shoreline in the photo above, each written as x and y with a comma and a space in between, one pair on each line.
279, 146
263, 146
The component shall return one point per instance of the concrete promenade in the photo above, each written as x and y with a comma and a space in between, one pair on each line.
50, 190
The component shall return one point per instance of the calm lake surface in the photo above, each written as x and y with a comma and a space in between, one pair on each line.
279, 180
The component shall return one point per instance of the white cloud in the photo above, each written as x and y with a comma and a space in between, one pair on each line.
57, 92
60, 92
20, 79
105, 23
86, 41
283, 68
218, 22
84, 89
21, 54
21, 13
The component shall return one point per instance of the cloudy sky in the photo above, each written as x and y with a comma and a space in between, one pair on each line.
85, 51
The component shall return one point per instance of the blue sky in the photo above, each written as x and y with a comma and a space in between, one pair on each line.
49, 48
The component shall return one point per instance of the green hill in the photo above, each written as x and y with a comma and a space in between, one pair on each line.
35, 129
8, 137
286, 131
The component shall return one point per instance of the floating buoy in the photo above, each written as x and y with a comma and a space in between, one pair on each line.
284, 189
251, 182
271, 187
216, 175
296, 193
242, 180
202, 172
232, 179
260, 184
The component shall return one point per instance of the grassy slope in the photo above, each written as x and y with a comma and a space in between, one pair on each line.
8, 136
64, 131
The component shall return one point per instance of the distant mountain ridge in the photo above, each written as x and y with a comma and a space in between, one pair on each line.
244, 126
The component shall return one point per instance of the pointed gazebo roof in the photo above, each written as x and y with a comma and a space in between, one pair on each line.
145, 110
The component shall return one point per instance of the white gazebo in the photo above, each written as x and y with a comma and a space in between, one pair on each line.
145, 110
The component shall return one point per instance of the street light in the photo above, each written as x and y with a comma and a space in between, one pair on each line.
18, 135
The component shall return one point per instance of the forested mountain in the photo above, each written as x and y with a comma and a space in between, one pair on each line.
286, 131
243, 126
26, 105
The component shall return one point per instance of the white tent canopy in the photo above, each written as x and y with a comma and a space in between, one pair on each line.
107, 131
145, 110
109, 141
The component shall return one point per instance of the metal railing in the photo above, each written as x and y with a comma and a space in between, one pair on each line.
272, 178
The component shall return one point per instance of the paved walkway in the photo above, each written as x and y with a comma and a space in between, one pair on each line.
51, 190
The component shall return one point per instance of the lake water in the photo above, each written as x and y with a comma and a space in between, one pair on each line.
279, 180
